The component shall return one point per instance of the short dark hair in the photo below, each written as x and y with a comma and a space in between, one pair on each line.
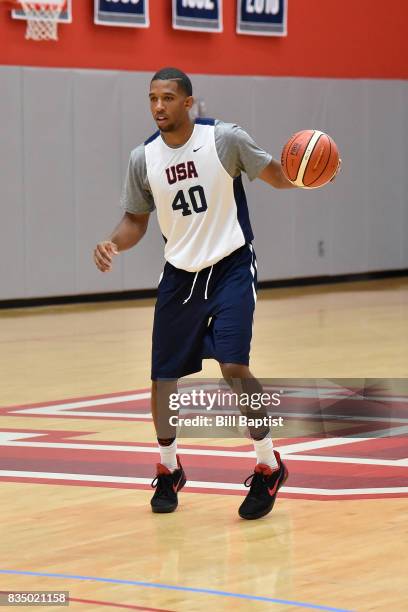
174, 74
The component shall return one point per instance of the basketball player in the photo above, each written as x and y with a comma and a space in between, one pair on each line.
190, 172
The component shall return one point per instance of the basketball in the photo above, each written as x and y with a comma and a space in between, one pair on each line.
310, 159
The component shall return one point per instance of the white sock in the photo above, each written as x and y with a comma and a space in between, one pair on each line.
168, 455
264, 452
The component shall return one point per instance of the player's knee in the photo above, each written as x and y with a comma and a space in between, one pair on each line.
234, 370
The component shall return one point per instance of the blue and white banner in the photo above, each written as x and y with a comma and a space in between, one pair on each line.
125, 13
262, 17
198, 15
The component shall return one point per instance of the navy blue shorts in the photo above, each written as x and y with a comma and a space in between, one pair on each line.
204, 315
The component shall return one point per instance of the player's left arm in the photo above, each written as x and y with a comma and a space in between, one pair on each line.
273, 175
240, 153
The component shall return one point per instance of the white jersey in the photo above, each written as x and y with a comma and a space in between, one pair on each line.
201, 206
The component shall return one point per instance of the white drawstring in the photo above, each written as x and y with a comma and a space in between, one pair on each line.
208, 280
192, 288
193, 285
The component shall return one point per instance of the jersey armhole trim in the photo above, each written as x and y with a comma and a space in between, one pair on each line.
205, 121
152, 137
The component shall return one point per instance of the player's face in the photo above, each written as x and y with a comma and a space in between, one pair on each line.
169, 105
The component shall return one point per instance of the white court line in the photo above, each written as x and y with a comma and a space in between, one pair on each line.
355, 460
83, 413
331, 492
127, 449
328, 442
9, 439
64, 409
196, 484
68, 410
292, 393
83, 403
8, 436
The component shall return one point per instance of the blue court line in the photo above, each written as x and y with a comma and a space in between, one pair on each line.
154, 585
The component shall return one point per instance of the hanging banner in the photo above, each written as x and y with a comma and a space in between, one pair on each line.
124, 13
262, 17
198, 15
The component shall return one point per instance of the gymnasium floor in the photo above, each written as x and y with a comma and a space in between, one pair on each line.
77, 456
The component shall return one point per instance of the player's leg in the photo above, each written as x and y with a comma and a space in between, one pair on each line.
229, 337
242, 381
162, 391
178, 330
170, 476
269, 473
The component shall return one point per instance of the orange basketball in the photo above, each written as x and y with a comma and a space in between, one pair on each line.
310, 159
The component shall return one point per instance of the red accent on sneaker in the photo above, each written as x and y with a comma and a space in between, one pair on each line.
273, 490
262, 468
266, 470
176, 486
162, 469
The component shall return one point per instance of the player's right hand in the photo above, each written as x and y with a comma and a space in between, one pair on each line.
103, 253
337, 171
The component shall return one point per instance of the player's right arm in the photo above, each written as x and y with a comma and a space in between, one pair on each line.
137, 203
126, 235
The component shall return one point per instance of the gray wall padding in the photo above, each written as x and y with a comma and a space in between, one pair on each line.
65, 142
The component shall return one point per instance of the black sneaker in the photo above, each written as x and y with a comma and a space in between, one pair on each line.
264, 486
167, 485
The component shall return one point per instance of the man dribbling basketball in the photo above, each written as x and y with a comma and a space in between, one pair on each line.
191, 173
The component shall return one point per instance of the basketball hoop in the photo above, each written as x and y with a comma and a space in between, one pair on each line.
42, 18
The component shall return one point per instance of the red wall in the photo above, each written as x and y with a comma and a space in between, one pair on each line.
327, 38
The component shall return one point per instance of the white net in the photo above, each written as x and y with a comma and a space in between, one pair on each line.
42, 20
